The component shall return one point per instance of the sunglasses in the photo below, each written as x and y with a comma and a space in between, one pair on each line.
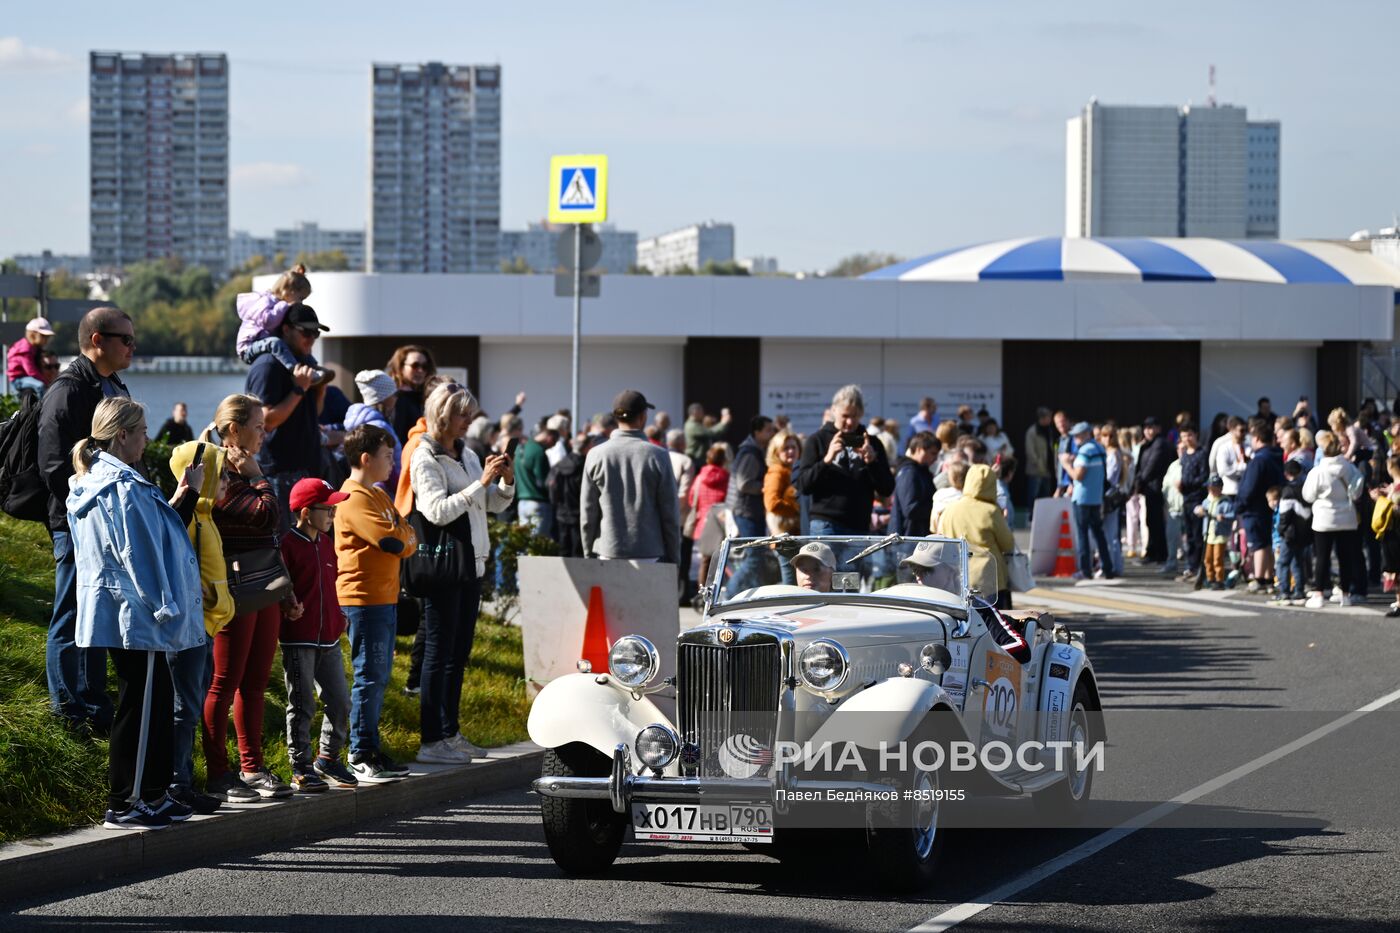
416, 365
128, 340
53, 366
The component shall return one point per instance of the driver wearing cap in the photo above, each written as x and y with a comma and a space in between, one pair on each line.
814, 564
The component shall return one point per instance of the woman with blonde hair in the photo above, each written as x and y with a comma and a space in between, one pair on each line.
452, 491
780, 505
247, 516
139, 597
1332, 488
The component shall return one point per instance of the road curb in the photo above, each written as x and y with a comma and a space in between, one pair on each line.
48, 863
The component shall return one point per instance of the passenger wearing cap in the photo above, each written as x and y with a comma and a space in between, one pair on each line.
629, 509
24, 364
814, 565
1087, 468
290, 407
928, 570
379, 395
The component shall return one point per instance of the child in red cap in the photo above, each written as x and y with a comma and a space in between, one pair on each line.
312, 623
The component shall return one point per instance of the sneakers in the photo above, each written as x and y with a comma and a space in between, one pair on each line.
1393, 612
267, 784
334, 772
139, 815
203, 804
392, 767
230, 788
1350, 600
1280, 600
370, 770
1314, 601
459, 740
443, 752
1252, 587
305, 780
321, 377
172, 808
411, 691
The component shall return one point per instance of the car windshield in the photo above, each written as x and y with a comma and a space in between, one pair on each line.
932, 569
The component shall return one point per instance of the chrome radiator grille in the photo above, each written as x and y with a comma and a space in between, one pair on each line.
727, 690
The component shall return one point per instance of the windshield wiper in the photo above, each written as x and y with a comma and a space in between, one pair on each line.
757, 542
878, 545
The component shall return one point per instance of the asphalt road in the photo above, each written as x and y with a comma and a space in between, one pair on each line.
1202, 686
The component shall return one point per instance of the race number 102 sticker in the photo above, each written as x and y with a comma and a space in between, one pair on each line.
1003, 697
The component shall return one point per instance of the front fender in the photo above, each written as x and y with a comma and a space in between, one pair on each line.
577, 708
887, 712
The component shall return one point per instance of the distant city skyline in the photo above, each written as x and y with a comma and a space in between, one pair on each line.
943, 125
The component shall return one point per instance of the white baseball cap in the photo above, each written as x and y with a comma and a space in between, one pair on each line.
40, 325
817, 551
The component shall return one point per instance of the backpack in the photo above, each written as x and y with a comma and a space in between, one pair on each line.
23, 492
1382, 517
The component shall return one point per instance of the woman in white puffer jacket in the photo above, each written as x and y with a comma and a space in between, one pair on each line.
450, 487
1332, 487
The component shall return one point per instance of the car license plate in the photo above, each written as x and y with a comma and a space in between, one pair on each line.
707, 822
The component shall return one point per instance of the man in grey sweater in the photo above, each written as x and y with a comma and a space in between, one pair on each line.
629, 506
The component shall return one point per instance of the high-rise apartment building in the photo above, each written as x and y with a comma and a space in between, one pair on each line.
537, 246
687, 248
1261, 200
1171, 171
159, 170
435, 203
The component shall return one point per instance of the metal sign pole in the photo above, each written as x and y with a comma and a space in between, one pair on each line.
576, 417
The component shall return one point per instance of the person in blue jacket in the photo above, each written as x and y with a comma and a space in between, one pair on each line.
138, 596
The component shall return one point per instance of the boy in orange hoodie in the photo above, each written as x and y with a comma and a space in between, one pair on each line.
371, 538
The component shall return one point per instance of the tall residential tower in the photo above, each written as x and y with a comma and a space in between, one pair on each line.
1171, 171
435, 202
158, 135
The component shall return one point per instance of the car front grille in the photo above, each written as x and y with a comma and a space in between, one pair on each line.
729, 695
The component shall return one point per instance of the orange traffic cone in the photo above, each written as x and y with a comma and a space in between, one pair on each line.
595, 632
1066, 565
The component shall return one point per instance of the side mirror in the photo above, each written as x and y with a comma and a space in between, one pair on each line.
935, 659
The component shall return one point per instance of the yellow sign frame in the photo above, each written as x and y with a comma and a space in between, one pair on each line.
561, 171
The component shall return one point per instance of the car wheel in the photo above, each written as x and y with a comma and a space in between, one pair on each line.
584, 836
904, 859
1067, 801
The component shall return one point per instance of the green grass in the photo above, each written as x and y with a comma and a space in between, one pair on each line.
52, 780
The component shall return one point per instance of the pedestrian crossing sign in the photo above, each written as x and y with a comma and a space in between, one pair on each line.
578, 189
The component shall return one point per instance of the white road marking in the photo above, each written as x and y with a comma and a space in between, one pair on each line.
956, 915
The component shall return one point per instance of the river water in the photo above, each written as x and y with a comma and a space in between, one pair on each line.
202, 392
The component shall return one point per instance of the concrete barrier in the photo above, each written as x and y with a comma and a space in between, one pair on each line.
37, 866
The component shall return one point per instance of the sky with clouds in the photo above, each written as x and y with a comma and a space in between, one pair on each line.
819, 129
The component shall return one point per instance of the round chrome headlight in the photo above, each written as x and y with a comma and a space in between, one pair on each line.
823, 665
633, 661
657, 746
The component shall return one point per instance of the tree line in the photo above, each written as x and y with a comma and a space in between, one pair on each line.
178, 310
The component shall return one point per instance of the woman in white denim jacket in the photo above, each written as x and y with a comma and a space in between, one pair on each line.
139, 596
449, 482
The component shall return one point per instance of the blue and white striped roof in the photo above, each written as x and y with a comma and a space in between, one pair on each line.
1144, 259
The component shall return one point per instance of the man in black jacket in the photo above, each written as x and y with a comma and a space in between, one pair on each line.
842, 469
77, 677
1156, 455
1195, 471
913, 487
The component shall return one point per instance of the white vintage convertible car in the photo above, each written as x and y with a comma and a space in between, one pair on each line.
874, 642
